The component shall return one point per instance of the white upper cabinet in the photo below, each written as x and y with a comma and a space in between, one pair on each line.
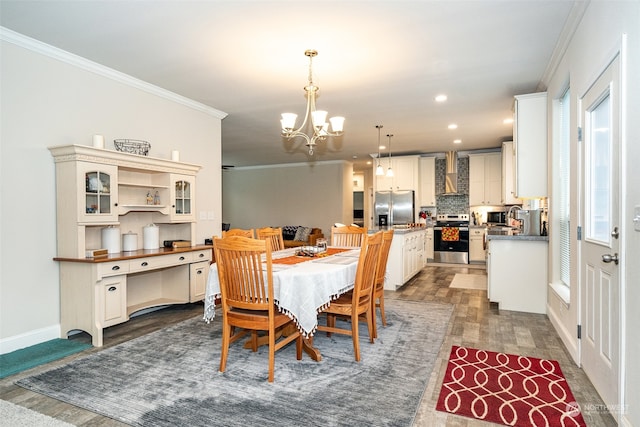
530, 145
427, 190
405, 174
485, 179
509, 175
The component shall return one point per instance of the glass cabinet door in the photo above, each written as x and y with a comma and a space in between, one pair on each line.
98, 197
183, 202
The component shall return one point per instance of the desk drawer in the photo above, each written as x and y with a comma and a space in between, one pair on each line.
204, 255
155, 262
114, 268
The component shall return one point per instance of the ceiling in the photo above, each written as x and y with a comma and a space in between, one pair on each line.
378, 63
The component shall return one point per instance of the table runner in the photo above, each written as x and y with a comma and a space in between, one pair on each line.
295, 259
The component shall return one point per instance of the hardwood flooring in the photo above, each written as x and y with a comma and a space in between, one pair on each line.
476, 323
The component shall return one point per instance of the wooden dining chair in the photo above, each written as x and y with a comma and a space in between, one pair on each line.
357, 302
347, 236
377, 300
247, 297
239, 232
274, 235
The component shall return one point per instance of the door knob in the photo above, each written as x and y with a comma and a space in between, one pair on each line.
608, 258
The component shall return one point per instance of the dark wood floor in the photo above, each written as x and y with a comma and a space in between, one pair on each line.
476, 323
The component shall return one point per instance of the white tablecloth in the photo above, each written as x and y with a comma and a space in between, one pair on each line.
300, 290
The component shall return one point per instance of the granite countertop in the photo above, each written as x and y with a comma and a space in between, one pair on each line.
397, 229
517, 237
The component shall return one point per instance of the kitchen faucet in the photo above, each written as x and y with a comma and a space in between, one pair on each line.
509, 213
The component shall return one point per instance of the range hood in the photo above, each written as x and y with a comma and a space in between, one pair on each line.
451, 176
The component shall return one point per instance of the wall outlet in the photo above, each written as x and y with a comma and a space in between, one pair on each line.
211, 215
203, 216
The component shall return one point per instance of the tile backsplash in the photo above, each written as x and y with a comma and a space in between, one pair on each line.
453, 204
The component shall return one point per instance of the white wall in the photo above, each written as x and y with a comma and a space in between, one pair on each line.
309, 194
596, 40
50, 97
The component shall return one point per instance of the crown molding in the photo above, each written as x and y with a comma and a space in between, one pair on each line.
37, 46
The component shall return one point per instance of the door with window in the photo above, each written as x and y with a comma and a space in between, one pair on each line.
600, 248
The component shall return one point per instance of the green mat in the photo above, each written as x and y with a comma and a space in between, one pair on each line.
39, 354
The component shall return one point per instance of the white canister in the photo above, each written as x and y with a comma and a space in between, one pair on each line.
111, 239
151, 236
129, 242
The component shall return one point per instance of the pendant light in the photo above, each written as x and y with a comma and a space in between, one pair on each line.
379, 169
389, 170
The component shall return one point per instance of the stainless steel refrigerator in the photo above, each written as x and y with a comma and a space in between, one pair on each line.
394, 207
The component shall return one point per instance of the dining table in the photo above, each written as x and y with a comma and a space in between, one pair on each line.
303, 286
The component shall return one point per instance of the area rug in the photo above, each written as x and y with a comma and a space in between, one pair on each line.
469, 281
39, 354
18, 416
170, 377
507, 389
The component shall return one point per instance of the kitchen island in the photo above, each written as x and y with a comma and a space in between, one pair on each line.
517, 272
407, 254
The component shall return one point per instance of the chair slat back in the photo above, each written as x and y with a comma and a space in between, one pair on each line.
367, 268
239, 232
244, 283
274, 235
348, 235
387, 238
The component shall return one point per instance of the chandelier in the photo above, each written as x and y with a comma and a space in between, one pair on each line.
313, 117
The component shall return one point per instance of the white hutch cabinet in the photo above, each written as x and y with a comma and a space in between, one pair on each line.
98, 188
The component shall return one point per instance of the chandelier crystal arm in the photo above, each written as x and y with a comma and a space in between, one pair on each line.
316, 119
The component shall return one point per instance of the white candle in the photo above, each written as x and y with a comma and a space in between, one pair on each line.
175, 155
98, 141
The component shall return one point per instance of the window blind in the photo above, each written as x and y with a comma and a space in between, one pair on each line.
564, 207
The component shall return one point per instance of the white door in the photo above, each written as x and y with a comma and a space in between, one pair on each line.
600, 248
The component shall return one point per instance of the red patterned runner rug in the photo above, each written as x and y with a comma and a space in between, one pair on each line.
507, 389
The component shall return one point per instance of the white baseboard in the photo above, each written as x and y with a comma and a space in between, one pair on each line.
567, 337
37, 336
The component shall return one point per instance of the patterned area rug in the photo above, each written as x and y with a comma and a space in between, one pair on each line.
507, 389
469, 281
170, 377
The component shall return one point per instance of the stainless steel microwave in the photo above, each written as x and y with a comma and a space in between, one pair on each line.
497, 217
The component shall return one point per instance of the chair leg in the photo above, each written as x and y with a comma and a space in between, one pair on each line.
355, 336
373, 313
299, 347
272, 354
370, 325
226, 332
381, 305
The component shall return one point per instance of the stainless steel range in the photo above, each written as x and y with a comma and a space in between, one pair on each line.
451, 238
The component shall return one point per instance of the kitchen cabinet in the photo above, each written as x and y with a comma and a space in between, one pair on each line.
428, 245
485, 179
199, 272
517, 273
427, 188
477, 244
530, 145
406, 257
405, 174
508, 175
182, 200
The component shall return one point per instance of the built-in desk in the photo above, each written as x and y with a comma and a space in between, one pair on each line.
100, 292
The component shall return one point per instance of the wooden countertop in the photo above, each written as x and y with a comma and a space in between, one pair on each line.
141, 253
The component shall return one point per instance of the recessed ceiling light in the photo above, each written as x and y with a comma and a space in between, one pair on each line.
441, 98
369, 162
453, 126
382, 147
457, 141
508, 121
